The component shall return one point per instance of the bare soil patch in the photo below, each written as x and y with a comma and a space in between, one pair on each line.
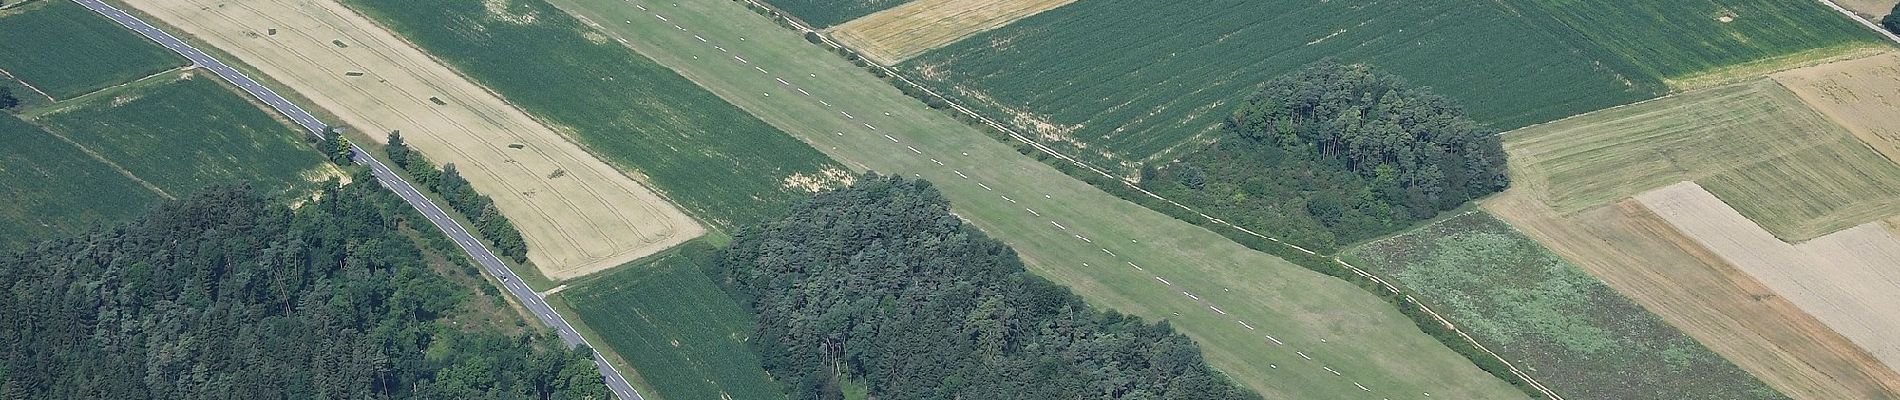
1647, 260
588, 218
1847, 279
899, 33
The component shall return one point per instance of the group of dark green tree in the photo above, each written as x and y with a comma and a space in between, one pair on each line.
1336, 153
1892, 21
7, 100
227, 294
879, 283
448, 183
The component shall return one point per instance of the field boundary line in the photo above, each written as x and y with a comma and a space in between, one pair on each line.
29, 86
826, 39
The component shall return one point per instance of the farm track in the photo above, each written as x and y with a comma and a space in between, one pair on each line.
388, 178
863, 133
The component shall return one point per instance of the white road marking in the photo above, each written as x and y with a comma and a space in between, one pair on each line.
847, 115
782, 81
701, 39
661, 18
935, 161
867, 125
1191, 295
1058, 225
642, 8
803, 92
1244, 323
1164, 281
721, 49
741, 59
1275, 341
1216, 309
1110, 253
1011, 201
824, 103
1330, 369
678, 27
893, 140
761, 70
1084, 239
1361, 387
1302, 355
960, 174
1137, 267
1033, 212
914, 150
985, 187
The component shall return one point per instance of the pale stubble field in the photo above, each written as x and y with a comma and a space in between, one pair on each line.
578, 214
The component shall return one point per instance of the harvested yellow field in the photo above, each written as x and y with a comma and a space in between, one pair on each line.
1861, 95
898, 33
1872, 9
1754, 144
1846, 279
1645, 259
578, 214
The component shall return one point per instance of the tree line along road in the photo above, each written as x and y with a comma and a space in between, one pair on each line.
475, 249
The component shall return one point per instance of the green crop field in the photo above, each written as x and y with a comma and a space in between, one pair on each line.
52, 189
66, 50
832, 12
1680, 39
1523, 301
185, 135
1365, 339
1128, 82
711, 158
1754, 144
675, 326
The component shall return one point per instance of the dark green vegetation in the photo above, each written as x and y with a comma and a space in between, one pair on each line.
824, 13
713, 159
1583, 339
227, 294
186, 135
456, 191
684, 335
1891, 22
67, 50
1335, 154
7, 100
878, 283
53, 189
1131, 80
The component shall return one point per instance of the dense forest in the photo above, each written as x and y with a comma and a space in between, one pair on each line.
447, 182
1334, 154
227, 294
879, 284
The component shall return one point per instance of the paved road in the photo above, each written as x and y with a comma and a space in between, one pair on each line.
475, 248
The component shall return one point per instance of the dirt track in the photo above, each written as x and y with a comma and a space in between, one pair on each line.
578, 214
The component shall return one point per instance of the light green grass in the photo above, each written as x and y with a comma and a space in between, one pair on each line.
185, 135
1367, 339
53, 189
684, 335
67, 50
1754, 144
1547, 315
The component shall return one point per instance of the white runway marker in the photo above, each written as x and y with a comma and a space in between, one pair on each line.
679, 28
782, 81
642, 8
1110, 253
1164, 281
1058, 225
1084, 239
803, 92
1217, 310
985, 187
1244, 323
840, 133
1137, 267
939, 163
1302, 355
868, 125
701, 39
761, 70
824, 103
1275, 341
1330, 369
1011, 201
741, 59
661, 18
893, 140
721, 49
847, 115
914, 150
960, 174
1361, 387
1033, 212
